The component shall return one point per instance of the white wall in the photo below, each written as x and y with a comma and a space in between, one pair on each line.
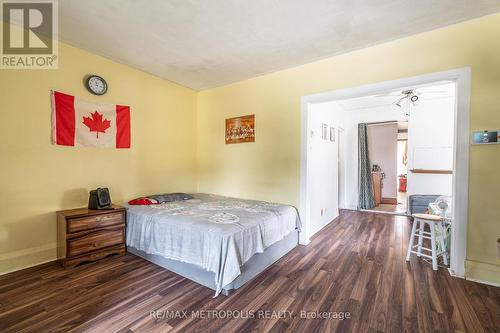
383, 150
430, 146
402, 168
322, 169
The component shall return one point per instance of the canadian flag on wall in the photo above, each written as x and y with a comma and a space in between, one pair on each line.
76, 122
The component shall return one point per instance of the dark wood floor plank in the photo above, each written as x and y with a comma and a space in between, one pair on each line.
355, 264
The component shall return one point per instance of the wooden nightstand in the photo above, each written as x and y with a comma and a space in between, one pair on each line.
88, 235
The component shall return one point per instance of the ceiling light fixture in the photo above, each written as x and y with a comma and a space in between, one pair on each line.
409, 99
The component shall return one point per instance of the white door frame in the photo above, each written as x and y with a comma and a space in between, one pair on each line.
461, 77
342, 173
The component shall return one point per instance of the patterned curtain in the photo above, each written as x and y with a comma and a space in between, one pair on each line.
366, 200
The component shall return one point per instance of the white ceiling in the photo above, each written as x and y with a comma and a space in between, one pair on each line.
425, 92
203, 44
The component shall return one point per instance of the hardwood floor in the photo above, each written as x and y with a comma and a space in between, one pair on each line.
356, 264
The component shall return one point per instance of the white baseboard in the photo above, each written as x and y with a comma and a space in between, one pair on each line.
490, 283
24, 267
482, 272
305, 241
21, 259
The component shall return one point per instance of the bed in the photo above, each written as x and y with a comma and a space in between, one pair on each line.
216, 241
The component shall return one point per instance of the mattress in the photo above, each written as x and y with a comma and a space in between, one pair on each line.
253, 267
218, 234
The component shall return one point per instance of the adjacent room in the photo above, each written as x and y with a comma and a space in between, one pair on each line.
407, 141
390, 153
262, 166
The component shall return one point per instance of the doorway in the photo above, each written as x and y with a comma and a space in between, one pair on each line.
388, 151
461, 80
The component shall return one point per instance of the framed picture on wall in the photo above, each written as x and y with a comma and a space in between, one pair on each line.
240, 129
332, 134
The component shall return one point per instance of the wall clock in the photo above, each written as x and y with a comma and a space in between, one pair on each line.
96, 85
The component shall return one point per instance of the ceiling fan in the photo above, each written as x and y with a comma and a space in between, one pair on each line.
410, 95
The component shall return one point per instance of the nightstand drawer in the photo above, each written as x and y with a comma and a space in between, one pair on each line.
86, 235
94, 241
97, 221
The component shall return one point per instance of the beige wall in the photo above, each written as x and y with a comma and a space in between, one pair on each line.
38, 178
269, 168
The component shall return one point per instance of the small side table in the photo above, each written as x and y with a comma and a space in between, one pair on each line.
87, 235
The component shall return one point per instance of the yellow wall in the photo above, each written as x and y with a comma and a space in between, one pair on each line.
176, 131
38, 178
269, 168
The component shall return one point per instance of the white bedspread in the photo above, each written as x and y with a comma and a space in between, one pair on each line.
216, 233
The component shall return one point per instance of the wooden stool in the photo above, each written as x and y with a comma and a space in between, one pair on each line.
432, 221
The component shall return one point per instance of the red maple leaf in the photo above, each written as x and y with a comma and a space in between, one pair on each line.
96, 123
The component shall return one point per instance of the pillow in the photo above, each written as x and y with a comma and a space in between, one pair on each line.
169, 197
160, 198
143, 201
